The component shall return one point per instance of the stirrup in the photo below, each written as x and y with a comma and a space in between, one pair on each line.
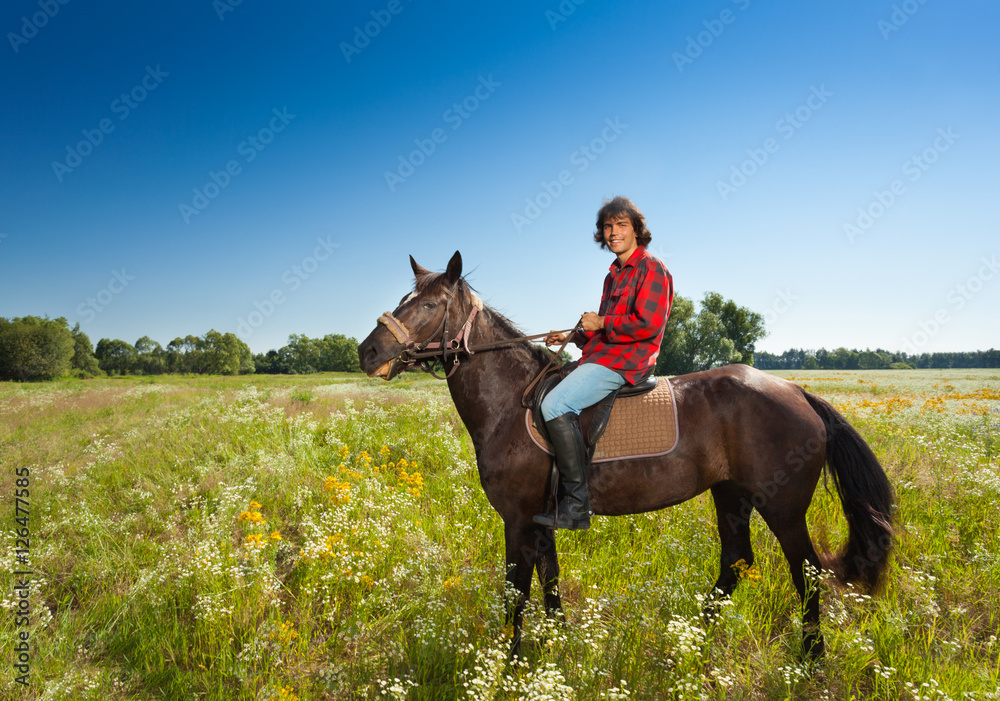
569, 523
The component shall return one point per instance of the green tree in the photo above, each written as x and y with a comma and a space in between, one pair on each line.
870, 360
694, 342
673, 358
151, 358
303, 355
844, 359
84, 362
743, 326
116, 357
175, 355
271, 363
223, 354
337, 353
32, 348
246, 359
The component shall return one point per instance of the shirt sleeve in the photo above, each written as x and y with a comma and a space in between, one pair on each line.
581, 337
649, 315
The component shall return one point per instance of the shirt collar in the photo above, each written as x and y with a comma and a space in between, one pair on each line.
638, 253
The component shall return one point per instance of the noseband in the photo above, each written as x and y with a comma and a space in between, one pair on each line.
421, 353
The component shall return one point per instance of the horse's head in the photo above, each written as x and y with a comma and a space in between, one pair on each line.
434, 311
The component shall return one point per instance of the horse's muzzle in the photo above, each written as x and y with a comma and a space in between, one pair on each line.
373, 360
384, 370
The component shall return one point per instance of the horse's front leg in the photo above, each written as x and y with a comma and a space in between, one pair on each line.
547, 564
528, 545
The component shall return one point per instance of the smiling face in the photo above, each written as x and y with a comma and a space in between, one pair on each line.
619, 236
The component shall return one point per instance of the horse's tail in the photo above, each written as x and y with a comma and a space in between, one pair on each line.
865, 495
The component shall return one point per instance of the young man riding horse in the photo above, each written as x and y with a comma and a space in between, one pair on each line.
620, 345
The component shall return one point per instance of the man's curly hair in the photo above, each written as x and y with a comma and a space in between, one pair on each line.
615, 208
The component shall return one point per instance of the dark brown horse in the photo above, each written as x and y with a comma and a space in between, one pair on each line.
756, 441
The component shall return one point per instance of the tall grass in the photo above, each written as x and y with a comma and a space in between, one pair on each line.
326, 537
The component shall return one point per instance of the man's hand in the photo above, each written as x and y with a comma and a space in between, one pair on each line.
555, 338
592, 322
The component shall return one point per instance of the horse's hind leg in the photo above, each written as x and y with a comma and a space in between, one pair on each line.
733, 511
793, 536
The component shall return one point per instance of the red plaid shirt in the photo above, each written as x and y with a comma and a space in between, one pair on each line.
635, 306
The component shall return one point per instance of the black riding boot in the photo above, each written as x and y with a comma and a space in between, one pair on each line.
573, 512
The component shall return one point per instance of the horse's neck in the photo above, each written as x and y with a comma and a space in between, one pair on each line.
487, 386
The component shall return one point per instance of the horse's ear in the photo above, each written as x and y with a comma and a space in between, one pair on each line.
418, 270
454, 271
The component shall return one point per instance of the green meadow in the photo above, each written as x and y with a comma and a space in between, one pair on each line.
325, 537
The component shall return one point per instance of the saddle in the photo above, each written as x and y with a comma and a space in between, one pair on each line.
594, 420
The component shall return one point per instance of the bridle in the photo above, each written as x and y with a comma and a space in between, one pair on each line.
424, 353
421, 353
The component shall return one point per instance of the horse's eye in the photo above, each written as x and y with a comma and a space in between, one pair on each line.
429, 305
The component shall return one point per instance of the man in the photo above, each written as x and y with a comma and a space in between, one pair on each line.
620, 344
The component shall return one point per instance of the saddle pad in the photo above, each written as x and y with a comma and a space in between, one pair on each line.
640, 427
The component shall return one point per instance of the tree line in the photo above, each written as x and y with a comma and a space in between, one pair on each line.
32, 348
878, 359
716, 331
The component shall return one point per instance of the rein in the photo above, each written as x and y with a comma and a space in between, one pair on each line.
421, 354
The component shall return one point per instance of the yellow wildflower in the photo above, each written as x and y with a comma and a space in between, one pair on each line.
745, 571
285, 693
252, 514
284, 633
414, 482
340, 492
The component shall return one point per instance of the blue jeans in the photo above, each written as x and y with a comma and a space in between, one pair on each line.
588, 384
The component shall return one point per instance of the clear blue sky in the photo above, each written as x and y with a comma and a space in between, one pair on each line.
750, 133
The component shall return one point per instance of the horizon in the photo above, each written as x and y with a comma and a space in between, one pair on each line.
267, 171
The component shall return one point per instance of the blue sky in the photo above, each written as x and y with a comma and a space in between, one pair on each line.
266, 168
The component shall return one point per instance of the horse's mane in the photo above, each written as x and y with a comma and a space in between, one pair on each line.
505, 328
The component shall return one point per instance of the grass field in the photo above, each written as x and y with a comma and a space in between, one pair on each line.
326, 537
